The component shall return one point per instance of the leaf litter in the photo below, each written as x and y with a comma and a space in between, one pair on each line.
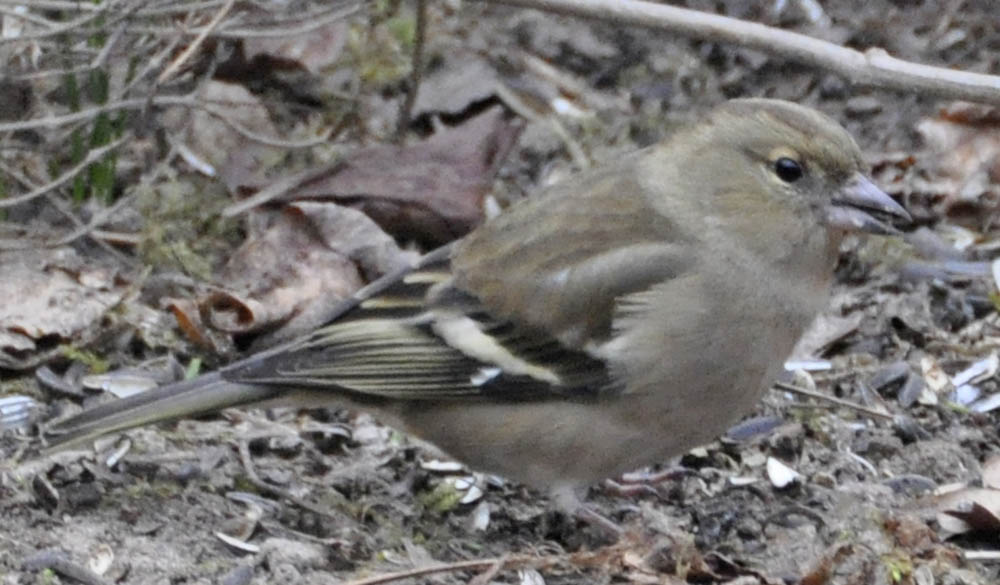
157, 513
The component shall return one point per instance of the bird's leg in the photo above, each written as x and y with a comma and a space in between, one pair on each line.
567, 500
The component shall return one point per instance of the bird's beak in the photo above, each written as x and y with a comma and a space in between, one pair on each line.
851, 209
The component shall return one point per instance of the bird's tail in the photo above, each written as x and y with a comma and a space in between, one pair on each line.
201, 395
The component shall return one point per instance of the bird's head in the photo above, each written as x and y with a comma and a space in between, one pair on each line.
783, 156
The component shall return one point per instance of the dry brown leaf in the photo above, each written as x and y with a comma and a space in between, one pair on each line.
968, 510
936, 381
189, 320
431, 191
51, 297
823, 570
460, 81
964, 140
911, 533
210, 140
290, 277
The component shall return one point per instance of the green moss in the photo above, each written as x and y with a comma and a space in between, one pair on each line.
899, 567
403, 29
47, 576
443, 498
995, 299
183, 227
95, 363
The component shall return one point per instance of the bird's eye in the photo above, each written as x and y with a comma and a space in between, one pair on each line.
787, 169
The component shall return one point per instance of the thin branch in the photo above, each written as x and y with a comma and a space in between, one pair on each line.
301, 24
578, 559
278, 492
100, 237
874, 67
71, 27
298, 26
140, 103
280, 187
834, 400
14, 13
416, 72
260, 138
54, 5
98, 219
92, 156
473, 565
184, 8
195, 45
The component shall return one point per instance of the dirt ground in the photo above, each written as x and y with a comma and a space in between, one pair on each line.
330, 496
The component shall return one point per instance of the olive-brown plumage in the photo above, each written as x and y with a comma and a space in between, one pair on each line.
617, 319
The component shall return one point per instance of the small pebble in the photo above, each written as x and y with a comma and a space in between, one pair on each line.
889, 375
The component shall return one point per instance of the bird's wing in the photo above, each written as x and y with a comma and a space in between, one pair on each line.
607, 234
413, 336
445, 328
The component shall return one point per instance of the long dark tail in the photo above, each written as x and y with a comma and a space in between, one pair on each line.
201, 395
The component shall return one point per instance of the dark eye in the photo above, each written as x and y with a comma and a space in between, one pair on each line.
788, 170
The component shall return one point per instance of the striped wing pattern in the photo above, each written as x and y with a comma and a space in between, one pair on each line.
411, 335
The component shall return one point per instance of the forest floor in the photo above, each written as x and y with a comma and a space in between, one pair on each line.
805, 491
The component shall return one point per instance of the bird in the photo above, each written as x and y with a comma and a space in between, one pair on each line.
616, 319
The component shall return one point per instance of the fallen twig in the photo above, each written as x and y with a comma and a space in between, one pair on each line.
834, 400
874, 67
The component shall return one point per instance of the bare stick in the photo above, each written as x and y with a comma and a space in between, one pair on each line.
416, 72
579, 559
195, 44
874, 67
834, 400
217, 111
473, 565
251, 470
92, 157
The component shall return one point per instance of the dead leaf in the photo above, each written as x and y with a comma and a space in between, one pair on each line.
68, 296
911, 533
210, 140
964, 142
188, 318
968, 510
431, 191
290, 277
460, 81
977, 516
823, 570
936, 381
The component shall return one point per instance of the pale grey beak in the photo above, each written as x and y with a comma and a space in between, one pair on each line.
851, 209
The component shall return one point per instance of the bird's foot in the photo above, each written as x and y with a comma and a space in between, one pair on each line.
606, 526
642, 483
568, 501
